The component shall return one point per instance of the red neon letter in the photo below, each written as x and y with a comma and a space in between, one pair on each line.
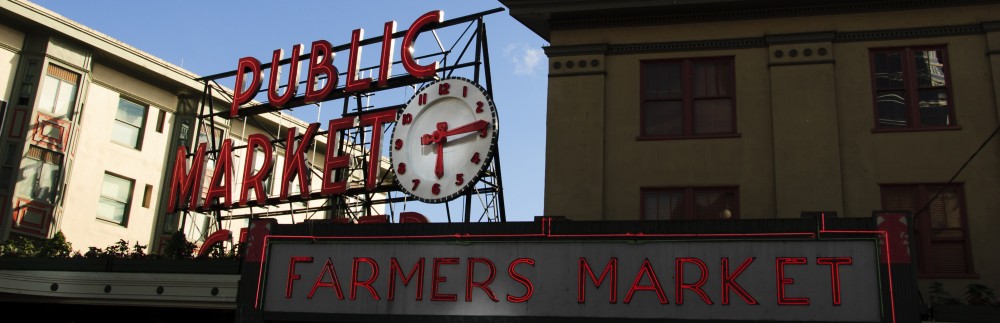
188, 184
243, 95
353, 83
418, 269
335, 158
366, 283
406, 55
780, 263
611, 269
295, 161
385, 63
256, 181
529, 288
223, 174
696, 287
729, 281
292, 276
647, 269
334, 281
835, 263
484, 285
438, 279
320, 62
293, 77
375, 120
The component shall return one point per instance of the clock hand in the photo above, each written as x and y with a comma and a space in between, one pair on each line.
472, 126
439, 167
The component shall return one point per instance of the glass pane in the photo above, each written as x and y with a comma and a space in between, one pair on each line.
710, 205
47, 183
124, 134
67, 96
888, 70
945, 212
891, 109
111, 210
47, 99
661, 80
130, 112
663, 118
713, 116
663, 205
712, 79
899, 198
934, 107
956, 234
27, 182
116, 188
929, 67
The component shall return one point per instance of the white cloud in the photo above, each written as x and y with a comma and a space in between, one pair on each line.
525, 58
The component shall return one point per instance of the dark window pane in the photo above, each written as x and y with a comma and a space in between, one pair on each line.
888, 70
929, 68
891, 109
711, 79
663, 205
710, 205
934, 107
661, 80
713, 116
663, 118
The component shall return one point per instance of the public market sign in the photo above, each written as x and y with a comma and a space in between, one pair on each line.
768, 280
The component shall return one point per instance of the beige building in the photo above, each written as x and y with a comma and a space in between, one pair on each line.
665, 110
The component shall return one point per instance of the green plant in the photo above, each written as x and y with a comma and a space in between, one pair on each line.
18, 247
979, 294
56, 247
120, 250
939, 296
178, 247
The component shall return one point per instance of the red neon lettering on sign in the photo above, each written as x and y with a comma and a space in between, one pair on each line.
295, 161
367, 283
438, 279
696, 287
335, 159
418, 270
385, 61
353, 83
375, 120
292, 276
779, 267
835, 263
224, 174
320, 63
529, 288
293, 77
333, 283
484, 285
611, 269
243, 95
256, 181
729, 282
186, 184
411, 66
654, 283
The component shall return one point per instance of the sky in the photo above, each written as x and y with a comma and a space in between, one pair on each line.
208, 37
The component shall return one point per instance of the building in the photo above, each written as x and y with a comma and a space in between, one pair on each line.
90, 128
774, 109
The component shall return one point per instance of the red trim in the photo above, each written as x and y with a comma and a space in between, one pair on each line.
687, 97
216, 237
353, 84
40, 137
295, 161
418, 268
729, 282
367, 283
334, 282
320, 62
183, 184
240, 95
835, 263
256, 181
411, 66
696, 287
470, 276
223, 173
335, 159
385, 61
654, 283
21, 208
292, 276
529, 288
437, 279
911, 89
293, 77
610, 269
18, 120
781, 280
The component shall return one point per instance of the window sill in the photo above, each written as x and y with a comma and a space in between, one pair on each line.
122, 225
685, 137
127, 146
936, 128
948, 276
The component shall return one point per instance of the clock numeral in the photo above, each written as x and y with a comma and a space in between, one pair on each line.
407, 119
482, 132
465, 91
443, 88
475, 159
479, 107
401, 169
459, 179
422, 99
436, 189
416, 182
399, 144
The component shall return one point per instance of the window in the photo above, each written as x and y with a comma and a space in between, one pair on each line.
940, 234
40, 175
911, 88
116, 196
689, 203
129, 122
687, 98
58, 93
160, 117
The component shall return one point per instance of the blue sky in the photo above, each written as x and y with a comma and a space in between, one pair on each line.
208, 37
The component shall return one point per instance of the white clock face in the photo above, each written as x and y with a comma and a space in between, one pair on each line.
443, 139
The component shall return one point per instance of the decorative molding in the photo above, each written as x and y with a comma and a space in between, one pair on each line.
819, 62
577, 74
940, 31
816, 37
991, 26
571, 50
10, 48
130, 95
687, 46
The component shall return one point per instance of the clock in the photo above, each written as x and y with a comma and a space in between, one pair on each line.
443, 140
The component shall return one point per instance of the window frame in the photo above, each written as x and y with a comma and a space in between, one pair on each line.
689, 199
60, 75
142, 128
912, 89
687, 98
924, 241
128, 203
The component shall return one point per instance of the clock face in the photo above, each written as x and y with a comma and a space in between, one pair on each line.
443, 139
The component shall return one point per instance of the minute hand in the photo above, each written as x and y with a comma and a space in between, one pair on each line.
473, 126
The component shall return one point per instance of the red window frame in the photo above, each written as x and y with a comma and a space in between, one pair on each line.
687, 98
925, 234
911, 89
688, 200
